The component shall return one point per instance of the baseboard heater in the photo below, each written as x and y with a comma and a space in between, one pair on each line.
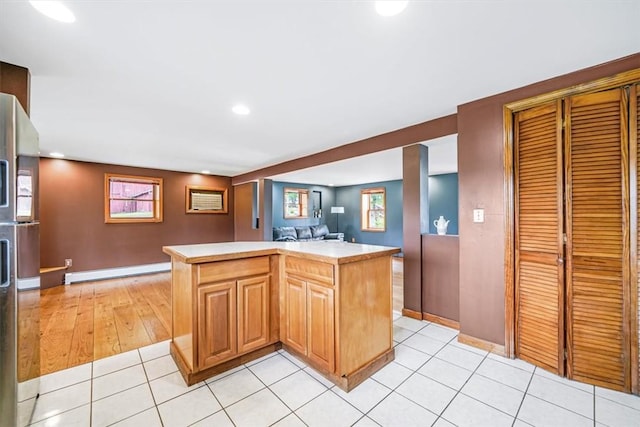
111, 273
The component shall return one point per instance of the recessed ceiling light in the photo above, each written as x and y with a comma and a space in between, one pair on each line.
240, 109
205, 172
56, 155
390, 8
54, 10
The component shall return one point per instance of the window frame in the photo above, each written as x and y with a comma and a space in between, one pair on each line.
365, 210
194, 189
157, 198
302, 206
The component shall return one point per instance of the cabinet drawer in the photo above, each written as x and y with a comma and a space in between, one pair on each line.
233, 269
308, 269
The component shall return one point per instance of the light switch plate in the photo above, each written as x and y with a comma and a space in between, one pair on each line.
478, 215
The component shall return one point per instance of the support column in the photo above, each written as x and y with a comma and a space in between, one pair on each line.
265, 208
415, 222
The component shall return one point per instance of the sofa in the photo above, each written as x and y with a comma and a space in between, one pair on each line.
305, 233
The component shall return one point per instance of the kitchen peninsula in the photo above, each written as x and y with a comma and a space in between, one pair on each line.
328, 303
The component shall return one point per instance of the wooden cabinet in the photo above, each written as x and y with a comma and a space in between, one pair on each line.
320, 328
295, 333
253, 313
224, 313
234, 302
309, 321
216, 323
233, 318
337, 316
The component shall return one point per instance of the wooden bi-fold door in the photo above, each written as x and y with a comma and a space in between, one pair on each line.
598, 238
634, 148
573, 300
539, 237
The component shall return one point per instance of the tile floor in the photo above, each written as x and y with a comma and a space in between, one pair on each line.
434, 380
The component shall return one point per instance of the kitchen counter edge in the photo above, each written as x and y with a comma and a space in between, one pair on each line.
330, 252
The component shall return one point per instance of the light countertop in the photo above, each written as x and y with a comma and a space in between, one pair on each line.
334, 252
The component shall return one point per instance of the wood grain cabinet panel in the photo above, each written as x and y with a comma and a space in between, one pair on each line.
231, 270
295, 328
216, 323
319, 272
320, 331
309, 318
253, 313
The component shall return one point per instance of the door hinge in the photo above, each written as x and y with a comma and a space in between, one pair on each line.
564, 238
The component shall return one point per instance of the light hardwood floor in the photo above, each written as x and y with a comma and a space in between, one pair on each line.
88, 321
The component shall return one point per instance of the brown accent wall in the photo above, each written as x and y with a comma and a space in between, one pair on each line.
72, 217
16, 80
440, 276
481, 185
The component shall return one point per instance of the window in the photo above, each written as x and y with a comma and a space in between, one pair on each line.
132, 199
373, 209
296, 203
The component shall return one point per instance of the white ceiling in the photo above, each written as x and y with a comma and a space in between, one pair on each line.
152, 84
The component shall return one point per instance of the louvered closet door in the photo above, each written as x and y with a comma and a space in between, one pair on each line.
597, 182
634, 143
539, 227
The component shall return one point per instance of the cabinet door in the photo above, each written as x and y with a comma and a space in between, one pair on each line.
216, 323
295, 327
320, 326
253, 313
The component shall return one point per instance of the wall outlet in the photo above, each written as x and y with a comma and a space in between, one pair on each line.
478, 215
68, 262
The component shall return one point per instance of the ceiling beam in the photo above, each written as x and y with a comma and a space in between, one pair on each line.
436, 128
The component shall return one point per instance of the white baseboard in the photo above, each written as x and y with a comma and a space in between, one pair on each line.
30, 283
110, 273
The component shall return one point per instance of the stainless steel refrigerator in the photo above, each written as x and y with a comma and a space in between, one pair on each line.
20, 265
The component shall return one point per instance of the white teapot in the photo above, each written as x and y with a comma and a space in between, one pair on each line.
441, 225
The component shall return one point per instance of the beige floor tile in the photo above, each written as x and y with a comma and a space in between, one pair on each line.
260, 409
188, 408
397, 410
328, 410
